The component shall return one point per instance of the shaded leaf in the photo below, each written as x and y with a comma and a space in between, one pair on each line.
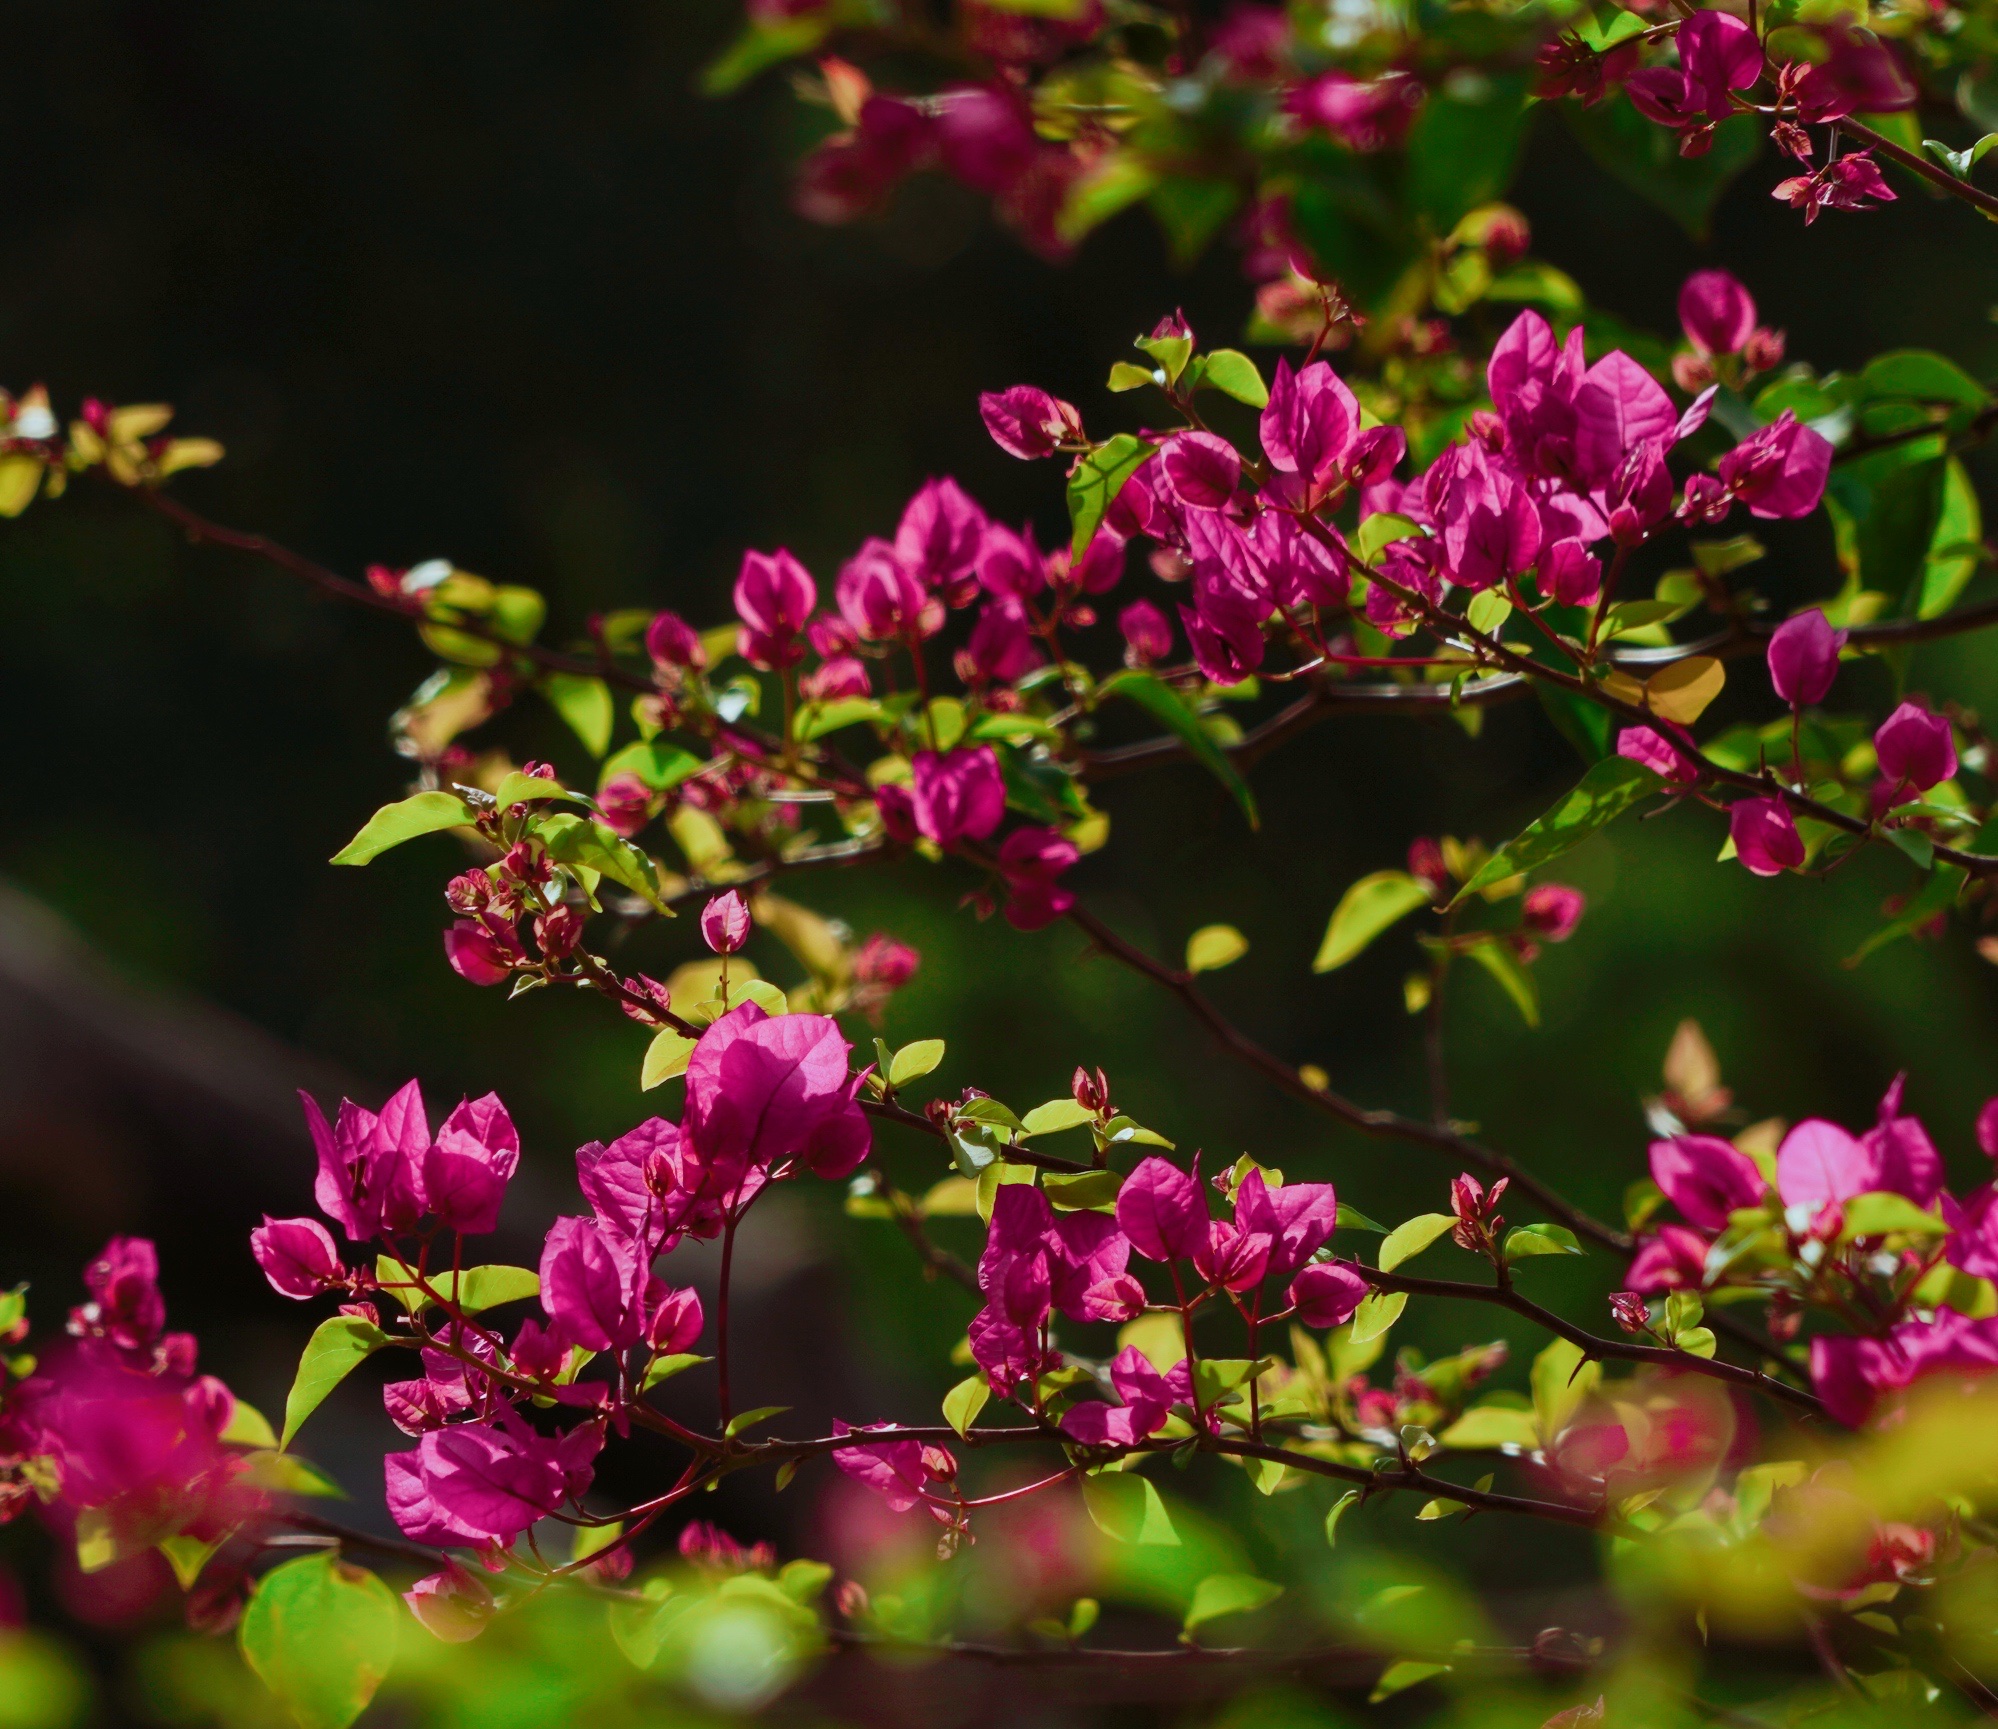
1610, 788
1366, 909
1166, 706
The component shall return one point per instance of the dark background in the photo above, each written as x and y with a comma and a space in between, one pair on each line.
492, 283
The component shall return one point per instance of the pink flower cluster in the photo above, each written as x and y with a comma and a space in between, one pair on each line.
1821, 1169
766, 1097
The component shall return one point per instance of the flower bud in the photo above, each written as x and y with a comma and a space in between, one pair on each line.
675, 1322
1765, 836
883, 961
851, 1599
454, 1605
1553, 910
1091, 1090
672, 641
1425, 864
1147, 634
559, 933
1803, 658
298, 1256
1764, 351
468, 893
625, 804
725, 923
1629, 1311
1915, 748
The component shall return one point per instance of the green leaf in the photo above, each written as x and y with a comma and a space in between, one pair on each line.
748, 1419
1697, 1341
1234, 374
595, 1539
638, 1627
248, 1427
1960, 162
1409, 1238
422, 813
1082, 1191
964, 1401
337, 1344
483, 1287
763, 45
1056, 1115
1166, 706
1561, 1380
1228, 1594
1463, 149
1399, 1677
288, 1474
1526, 1241
1339, 1508
913, 1061
1923, 377
585, 703
575, 840
665, 1368
1497, 958
1378, 1311
1097, 479
1646, 158
187, 1556
1488, 611
1125, 1507
1352, 1219
1955, 546
1125, 376
658, 764
1885, 508
1876, 1214
1216, 1377
1366, 909
1610, 788
1937, 895
1213, 947
321, 1635
665, 1057
1485, 1426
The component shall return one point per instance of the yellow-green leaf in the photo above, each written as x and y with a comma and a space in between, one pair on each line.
321, 1635
337, 1344
1409, 1238
1228, 1594
422, 813
1366, 909
964, 1401
665, 1057
1214, 946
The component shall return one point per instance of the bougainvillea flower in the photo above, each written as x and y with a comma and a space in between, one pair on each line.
671, 641
587, 1286
1009, 564
1162, 1211
985, 135
1310, 421
1765, 836
763, 1089
1858, 75
1570, 573
1326, 1293
1803, 658
298, 1256
1364, 115
673, 1319
1302, 570
1779, 471
1820, 1162
956, 795
1706, 1178
1672, 1259
481, 954
1716, 312
1298, 1219
1643, 744
1619, 408
880, 596
1146, 1398
897, 1470
1030, 860
467, 1168
938, 538
475, 1483
725, 922
1853, 1374
1028, 423
1916, 748
1842, 185
1001, 647
1201, 470
774, 598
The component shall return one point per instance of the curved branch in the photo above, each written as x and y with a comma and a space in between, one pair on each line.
1388, 1125
1661, 1356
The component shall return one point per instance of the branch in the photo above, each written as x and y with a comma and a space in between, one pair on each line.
1915, 163
1388, 1125
1506, 1297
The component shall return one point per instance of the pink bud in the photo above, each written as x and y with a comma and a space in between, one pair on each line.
475, 953
1803, 658
1716, 312
675, 1322
725, 923
1553, 910
672, 641
1987, 1129
1915, 748
1326, 1293
1147, 633
1630, 1311
1765, 836
883, 961
838, 679
297, 1256
454, 1604
625, 804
